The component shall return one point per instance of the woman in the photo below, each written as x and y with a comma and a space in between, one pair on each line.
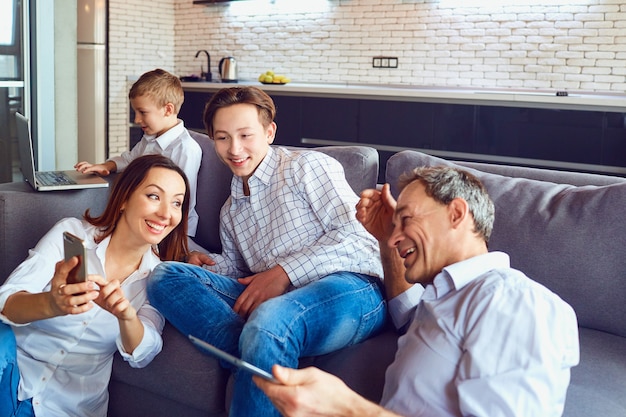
65, 334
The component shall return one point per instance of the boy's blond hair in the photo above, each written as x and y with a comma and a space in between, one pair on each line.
161, 86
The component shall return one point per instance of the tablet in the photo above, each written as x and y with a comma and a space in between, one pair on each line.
239, 363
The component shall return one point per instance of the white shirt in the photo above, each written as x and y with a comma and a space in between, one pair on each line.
485, 340
181, 148
300, 214
65, 362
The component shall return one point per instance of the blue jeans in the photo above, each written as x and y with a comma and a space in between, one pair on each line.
339, 310
10, 377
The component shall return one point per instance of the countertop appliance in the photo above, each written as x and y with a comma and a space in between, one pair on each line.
228, 69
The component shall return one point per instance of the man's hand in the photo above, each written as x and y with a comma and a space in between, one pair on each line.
312, 392
261, 287
375, 212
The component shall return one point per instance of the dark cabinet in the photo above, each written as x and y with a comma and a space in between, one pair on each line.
193, 108
333, 119
288, 119
396, 123
543, 134
530, 136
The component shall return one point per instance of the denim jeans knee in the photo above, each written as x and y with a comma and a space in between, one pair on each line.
198, 302
9, 372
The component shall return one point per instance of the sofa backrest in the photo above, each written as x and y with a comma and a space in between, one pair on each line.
26, 215
360, 165
572, 239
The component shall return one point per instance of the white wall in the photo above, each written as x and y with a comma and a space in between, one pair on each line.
547, 44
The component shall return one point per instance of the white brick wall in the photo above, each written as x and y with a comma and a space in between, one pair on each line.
540, 44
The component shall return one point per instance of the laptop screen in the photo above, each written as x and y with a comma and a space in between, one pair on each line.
27, 162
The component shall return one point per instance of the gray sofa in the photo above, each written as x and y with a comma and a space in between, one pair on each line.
572, 238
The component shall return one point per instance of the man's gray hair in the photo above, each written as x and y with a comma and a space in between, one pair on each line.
444, 184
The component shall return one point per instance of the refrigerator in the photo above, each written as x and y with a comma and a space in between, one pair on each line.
92, 80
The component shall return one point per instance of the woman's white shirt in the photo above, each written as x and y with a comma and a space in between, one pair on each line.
65, 362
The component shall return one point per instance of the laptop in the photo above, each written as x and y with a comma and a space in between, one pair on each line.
49, 180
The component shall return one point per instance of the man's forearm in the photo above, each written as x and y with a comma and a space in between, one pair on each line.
394, 271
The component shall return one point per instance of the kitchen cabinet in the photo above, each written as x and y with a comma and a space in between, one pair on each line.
543, 134
289, 120
192, 110
330, 119
580, 139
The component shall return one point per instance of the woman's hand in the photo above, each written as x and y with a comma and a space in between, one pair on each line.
112, 298
70, 298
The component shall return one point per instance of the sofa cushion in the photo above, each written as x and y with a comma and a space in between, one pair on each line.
569, 238
180, 373
599, 382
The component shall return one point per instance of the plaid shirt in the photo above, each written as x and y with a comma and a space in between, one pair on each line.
300, 214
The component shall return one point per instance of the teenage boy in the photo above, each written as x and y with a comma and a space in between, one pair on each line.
156, 97
298, 274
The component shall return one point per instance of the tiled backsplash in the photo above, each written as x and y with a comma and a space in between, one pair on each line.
548, 44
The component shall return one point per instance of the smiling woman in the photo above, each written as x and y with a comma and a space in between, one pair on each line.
85, 323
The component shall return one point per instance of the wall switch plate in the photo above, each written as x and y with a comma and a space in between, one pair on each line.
385, 62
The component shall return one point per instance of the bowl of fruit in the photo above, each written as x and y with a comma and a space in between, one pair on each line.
268, 77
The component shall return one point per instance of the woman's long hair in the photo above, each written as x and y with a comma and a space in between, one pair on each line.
174, 246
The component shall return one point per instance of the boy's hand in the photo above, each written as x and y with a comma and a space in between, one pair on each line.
199, 259
86, 168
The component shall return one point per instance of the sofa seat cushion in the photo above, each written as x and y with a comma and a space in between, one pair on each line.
180, 373
569, 238
599, 381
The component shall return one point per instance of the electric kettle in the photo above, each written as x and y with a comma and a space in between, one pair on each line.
228, 69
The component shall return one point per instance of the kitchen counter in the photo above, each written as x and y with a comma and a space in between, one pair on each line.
580, 131
488, 97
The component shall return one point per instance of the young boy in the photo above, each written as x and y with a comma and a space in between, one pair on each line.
156, 97
298, 274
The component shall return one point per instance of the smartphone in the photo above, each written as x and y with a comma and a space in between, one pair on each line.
239, 363
74, 246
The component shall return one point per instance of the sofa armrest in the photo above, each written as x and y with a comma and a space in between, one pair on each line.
26, 215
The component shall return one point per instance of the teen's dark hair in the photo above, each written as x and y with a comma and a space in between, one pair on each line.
239, 95
174, 246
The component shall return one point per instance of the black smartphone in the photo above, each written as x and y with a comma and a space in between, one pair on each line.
74, 246
239, 363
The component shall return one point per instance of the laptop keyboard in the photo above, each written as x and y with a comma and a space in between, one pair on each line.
54, 178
